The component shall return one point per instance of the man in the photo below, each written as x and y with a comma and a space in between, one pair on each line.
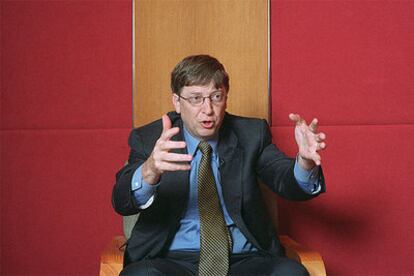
193, 177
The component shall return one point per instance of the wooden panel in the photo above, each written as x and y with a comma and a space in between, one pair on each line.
112, 257
310, 259
233, 31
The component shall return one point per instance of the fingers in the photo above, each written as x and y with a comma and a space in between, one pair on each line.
320, 137
153, 168
167, 145
313, 125
316, 158
309, 160
164, 143
166, 122
296, 118
299, 120
161, 154
167, 131
172, 166
320, 146
166, 161
162, 159
308, 140
311, 153
168, 134
177, 157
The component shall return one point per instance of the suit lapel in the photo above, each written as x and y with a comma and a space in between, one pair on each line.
231, 170
231, 162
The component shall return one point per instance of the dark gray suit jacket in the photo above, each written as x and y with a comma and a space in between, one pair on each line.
246, 154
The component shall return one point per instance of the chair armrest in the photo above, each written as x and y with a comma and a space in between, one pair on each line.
113, 254
310, 259
112, 257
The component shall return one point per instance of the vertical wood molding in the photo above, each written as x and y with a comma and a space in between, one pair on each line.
233, 31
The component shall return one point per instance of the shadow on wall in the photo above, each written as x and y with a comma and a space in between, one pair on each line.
339, 228
335, 220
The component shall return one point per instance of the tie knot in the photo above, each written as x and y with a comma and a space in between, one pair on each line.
205, 148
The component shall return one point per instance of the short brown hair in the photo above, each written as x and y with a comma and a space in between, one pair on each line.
198, 70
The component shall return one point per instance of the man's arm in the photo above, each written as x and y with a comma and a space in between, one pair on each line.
152, 166
307, 167
161, 159
308, 180
122, 200
276, 170
309, 142
144, 193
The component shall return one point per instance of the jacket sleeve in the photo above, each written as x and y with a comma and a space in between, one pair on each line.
276, 170
123, 200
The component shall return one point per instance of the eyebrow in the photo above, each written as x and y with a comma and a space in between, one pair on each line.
200, 93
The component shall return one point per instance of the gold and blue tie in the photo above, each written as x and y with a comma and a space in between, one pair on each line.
215, 241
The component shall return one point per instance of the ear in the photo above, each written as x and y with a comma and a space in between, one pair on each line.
176, 103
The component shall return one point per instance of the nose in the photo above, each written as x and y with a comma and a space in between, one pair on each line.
207, 106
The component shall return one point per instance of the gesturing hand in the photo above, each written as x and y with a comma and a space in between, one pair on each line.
309, 141
161, 159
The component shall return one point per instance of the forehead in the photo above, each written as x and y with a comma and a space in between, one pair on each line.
201, 89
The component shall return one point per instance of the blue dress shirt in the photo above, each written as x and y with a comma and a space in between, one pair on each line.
187, 236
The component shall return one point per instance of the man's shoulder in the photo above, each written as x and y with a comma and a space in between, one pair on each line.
241, 123
246, 129
149, 130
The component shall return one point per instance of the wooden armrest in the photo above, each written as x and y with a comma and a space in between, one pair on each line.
112, 257
312, 260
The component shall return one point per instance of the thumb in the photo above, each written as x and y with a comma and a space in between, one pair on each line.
295, 118
166, 122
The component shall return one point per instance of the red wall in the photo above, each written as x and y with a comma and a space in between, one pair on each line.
65, 117
66, 113
351, 64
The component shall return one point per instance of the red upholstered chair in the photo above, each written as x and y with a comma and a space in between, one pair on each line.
112, 256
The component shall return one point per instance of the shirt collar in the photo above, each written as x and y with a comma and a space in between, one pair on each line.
192, 142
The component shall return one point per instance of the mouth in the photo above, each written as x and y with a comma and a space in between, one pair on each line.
207, 124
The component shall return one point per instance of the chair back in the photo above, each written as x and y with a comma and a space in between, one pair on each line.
129, 223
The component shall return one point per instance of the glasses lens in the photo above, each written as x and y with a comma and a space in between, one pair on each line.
217, 98
197, 100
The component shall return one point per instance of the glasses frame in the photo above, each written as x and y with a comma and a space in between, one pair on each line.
188, 99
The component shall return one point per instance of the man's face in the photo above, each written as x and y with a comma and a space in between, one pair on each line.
202, 121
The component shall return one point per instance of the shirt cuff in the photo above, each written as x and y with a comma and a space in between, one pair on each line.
143, 192
308, 180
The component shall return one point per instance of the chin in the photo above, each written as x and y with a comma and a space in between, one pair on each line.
207, 134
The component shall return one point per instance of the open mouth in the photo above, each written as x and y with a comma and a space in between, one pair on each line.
207, 124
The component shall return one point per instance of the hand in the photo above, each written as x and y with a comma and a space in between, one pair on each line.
161, 159
309, 141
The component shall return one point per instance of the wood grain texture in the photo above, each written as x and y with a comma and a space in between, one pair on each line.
233, 31
310, 259
112, 257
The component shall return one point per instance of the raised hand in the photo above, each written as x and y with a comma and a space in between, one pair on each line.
161, 159
309, 141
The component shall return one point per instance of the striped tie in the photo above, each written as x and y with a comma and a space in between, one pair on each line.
215, 241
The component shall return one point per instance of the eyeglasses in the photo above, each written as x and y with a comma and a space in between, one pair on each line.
216, 98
